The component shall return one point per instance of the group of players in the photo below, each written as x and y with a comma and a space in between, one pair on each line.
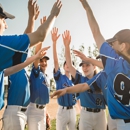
95, 90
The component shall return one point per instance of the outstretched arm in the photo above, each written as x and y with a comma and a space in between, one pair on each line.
67, 39
88, 59
39, 46
40, 34
16, 68
55, 36
99, 39
78, 88
33, 11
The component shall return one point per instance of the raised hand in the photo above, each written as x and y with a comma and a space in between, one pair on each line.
33, 9
43, 20
56, 8
80, 55
59, 93
66, 38
54, 34
42, 52
84, 3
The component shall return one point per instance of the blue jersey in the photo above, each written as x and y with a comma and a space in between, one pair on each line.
39, 87
62, 81
99, 80
1, 89
88, 98
118, 82
13, 50
19, 89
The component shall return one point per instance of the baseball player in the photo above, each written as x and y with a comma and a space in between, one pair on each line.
39, 94
101, 81
66, 114
116, 61
10, 46
14, 117
16, 106
92, 115
32, 7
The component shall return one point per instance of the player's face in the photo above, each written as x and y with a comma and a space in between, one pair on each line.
3, 25
43, 64
116, 46
88, 70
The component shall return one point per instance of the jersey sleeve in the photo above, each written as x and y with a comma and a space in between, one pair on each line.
77, 78
14, 49
109, 57
95, 82
35, 71
57, 75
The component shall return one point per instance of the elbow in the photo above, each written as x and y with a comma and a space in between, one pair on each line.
42, 34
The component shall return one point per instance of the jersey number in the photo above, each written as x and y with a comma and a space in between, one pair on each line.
122, 89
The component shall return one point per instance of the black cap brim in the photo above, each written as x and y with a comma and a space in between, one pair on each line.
46, 57
83, 62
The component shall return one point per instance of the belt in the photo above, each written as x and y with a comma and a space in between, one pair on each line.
23, 109
40, 106
92, 109
127, 120
69, 107
19, 108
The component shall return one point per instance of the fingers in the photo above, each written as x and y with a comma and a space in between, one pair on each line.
43, 20
45, 48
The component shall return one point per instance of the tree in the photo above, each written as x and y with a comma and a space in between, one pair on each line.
94, 52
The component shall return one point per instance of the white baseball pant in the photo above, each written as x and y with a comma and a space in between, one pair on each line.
112, 125
92, 120
65, 118
14, 118
36, 117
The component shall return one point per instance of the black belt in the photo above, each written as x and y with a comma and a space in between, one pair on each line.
40, 106
92, 109
127, 120
21, 109
69, 107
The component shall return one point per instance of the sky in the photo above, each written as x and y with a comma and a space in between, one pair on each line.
111, 15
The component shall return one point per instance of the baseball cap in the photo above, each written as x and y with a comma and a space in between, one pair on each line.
121, 36
5, 14
46, 57
83, 62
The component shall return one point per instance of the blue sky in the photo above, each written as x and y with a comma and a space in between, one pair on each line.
112, 16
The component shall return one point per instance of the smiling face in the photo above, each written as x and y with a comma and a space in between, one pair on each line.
43, 64
88, 70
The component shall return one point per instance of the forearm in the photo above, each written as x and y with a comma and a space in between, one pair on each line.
68, 56
55, 57
40, 34
30, 26
78, 88
38, 47
16, 68
69, 62
95, 62
93, 25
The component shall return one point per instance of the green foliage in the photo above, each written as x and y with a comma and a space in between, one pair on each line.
94, 52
